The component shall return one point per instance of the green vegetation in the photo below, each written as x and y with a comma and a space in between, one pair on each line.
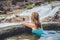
3, 16
30, 6
50, 0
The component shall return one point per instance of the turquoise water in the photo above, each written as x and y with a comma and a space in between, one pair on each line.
54, 34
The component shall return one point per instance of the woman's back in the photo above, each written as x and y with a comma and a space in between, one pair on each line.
40, 32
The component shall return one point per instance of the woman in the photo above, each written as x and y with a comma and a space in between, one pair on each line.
35, 25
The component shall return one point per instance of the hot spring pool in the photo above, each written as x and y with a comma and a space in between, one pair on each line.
54, 34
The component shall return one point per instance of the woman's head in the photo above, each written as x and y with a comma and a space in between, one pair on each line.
35, 19
35, 16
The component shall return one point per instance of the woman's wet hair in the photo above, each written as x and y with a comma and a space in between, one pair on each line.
35, 19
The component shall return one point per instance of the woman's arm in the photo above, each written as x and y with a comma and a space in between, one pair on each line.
27, 24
